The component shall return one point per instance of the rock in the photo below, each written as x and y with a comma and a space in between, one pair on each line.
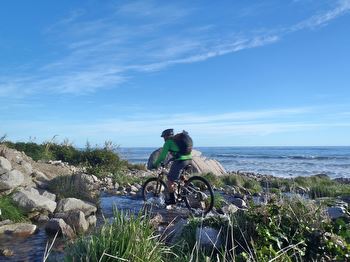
39, 176
239, 202
19, 229
5, 165
200, 163
133, 189
48, 195
229, 209
42, 218
27, 168
337, 212
5, 222
116, 185
55, 225
76, 220
6, 252
70, 204
172, 233
209, 238
30, 201
10, 180
156, 220
92, 220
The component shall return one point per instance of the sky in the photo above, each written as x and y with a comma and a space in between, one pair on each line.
231, 73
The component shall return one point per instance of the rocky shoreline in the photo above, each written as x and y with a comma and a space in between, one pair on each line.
27, 182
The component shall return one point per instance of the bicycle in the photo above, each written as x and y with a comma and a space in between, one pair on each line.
195, 191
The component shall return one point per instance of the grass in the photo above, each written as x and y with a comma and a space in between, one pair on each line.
126, 238
9, 210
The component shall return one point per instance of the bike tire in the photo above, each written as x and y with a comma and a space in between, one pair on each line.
209, 201
150, 183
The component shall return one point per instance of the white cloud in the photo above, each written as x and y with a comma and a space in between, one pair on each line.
103, 53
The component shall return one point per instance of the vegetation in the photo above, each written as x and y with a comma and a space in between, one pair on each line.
97, 161
9, 210
127, 238
287, 230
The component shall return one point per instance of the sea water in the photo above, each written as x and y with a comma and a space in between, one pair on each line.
277, 161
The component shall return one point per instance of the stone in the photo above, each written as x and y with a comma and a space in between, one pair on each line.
5, 222
42, 218
337, 212
229, 209
6, 252
116, 185
55, 225
30, 201
92, 220
156, 220
5, 165
39, 176
76, 220
209, 238
133, 189
27, 168
69, 204
172, 233
48, 195
239, 202
200, 164
11, 180
19, 229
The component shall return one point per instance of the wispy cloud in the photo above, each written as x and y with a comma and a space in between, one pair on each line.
103, 53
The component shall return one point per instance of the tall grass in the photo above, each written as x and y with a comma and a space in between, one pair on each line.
126, 238
9, 210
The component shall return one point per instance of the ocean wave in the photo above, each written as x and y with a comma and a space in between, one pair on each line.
295, 157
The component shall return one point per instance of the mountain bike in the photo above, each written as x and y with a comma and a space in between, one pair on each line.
194, 191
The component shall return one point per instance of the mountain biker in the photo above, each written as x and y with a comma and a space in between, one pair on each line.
181, 160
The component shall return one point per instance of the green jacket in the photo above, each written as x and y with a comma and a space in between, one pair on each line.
170, 146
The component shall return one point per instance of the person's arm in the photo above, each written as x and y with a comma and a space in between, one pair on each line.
162, 154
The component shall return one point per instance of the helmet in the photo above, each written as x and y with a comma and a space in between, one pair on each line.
167, 132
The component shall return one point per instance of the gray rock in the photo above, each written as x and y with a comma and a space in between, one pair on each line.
172, 233
11, 180
229, 209
48, 195
200, 163
76, 220
5, 222
209, 238
70, 204
5, 165
239, 202
55, 225
92, 220
27, 168
116, 185
337, 212
39, 176
31, 201
19, 229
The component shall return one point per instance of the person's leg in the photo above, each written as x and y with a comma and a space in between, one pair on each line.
173, 175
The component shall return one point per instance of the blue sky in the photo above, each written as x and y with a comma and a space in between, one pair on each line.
232, 73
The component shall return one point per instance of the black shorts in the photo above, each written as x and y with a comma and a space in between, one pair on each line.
176, 168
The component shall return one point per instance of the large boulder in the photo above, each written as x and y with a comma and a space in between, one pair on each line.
209, 238
200, 163
69, 204
10, 180
31, 201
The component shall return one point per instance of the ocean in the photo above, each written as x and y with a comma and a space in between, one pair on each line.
276, 161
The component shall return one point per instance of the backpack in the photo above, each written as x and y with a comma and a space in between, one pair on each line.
184, 142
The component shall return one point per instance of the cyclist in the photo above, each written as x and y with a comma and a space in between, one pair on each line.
181, 160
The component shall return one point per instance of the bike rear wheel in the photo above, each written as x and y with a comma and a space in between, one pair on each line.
154, 191
198, 195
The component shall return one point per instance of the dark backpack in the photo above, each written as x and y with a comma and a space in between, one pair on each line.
184, 142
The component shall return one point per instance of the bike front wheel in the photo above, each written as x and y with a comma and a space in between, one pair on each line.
198, 195
154, 191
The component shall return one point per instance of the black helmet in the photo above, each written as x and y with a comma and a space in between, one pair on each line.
167, 132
